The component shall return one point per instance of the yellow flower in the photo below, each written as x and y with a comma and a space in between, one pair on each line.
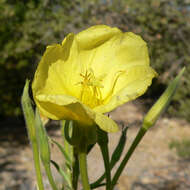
92, 73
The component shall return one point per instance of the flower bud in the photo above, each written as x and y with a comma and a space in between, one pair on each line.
162, 103
42, 139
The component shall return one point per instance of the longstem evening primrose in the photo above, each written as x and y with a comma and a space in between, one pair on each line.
89, 74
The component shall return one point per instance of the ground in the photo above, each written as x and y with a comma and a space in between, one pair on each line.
153, 165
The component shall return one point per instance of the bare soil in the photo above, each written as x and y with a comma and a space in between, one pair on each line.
153, 165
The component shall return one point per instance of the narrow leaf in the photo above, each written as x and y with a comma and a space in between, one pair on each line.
61, 148
119, 148
62, 173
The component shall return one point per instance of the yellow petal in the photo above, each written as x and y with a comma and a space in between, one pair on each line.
95, 36
64, 107
105, 123
120, 53
53, 54
132, 50
131, 84
91, 73
59, 70
123, 53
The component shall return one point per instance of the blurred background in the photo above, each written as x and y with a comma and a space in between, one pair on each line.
28, 26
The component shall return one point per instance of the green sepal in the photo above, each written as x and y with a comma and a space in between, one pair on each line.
81, 136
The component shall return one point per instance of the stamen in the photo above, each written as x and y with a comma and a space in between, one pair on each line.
90, 93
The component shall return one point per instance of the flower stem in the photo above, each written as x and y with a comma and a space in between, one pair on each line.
105, 153
37, 165
69, 150
103, 144
75, 175
137, 140
83, 169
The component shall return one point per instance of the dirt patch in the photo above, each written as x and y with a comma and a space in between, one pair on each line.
152, 166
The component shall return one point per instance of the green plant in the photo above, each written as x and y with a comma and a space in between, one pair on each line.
182, 147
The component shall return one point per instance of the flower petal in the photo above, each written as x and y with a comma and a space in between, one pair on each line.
64, 107
59, 70
44, 79
105, 123
95, 36
130, 85
100, 63
121, 52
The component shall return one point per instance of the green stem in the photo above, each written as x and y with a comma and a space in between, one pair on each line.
50, 177
137, 140
103, 144
69, 150
105, 154
37, 165
75, 175
83, 169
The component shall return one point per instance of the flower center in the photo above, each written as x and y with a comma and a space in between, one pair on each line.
90, 91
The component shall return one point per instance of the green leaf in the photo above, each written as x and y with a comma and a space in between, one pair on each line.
61, 148
62, 173
115, 157
119, 148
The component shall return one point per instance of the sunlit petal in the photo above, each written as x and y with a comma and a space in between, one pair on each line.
91, 73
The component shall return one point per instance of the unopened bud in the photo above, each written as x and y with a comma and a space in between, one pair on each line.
162, 103
42, 139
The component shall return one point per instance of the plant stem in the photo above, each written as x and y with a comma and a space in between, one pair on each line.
75, 172
103, 144
69, 150
83, 169
137, 140
105, 154
37, 165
